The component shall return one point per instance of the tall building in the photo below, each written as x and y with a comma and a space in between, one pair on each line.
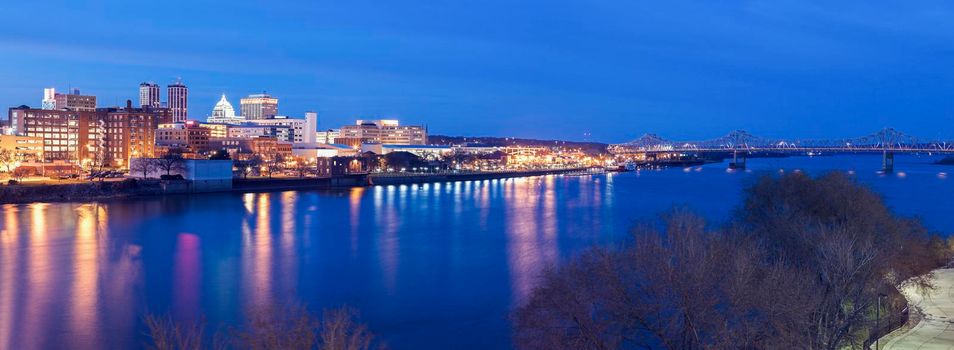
311, 125
259, 106
127, 133
149, 95
178, 101
386, 131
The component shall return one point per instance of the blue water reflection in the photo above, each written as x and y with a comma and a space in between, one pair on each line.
429, 266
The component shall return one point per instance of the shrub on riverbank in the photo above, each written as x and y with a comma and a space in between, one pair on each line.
289, 328
802, 264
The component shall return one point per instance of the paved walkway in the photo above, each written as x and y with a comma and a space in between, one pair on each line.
936, 329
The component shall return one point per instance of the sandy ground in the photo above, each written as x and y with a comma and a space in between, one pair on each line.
936, 329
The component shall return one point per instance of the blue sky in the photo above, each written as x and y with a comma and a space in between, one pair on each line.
545, 69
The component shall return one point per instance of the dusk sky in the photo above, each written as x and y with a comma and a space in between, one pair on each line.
542, 69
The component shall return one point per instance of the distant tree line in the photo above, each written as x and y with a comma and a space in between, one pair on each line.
803, 264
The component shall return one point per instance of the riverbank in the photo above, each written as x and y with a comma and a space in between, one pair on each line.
85, 191
101, 190
406, 178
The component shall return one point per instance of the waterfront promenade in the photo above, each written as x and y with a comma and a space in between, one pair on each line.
935, 330
80, 191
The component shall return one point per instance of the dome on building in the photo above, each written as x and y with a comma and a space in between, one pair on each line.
223, 109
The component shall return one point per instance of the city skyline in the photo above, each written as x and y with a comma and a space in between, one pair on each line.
842, 70
494, 174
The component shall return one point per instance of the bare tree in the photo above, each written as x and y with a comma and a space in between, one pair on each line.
341, 331
143, 166
290, 327
171, 162
167, 334
801, 266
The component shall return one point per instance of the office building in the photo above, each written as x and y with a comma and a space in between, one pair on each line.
258, 106
108, 136
266, 147
72, 101
386, 131
252, 130
189, 137
65, 134
25, 148
149, 95
178, 95
327, 136
295, 127
216, 130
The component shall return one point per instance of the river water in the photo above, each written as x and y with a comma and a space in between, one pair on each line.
428, 266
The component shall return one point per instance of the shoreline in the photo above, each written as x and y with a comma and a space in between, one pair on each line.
138, 188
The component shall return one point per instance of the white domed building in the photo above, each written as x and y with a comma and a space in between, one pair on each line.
224, 113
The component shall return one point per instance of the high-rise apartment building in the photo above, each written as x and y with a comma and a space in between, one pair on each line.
128, 132
259, 106
178, 101
149, 95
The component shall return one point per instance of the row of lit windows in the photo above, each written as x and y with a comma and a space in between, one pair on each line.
57, 148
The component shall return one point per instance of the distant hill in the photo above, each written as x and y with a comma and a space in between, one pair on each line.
588, 147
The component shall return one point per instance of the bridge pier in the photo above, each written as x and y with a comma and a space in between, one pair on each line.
736, 164
887, 162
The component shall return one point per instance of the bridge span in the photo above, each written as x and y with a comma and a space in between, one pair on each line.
740, 144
